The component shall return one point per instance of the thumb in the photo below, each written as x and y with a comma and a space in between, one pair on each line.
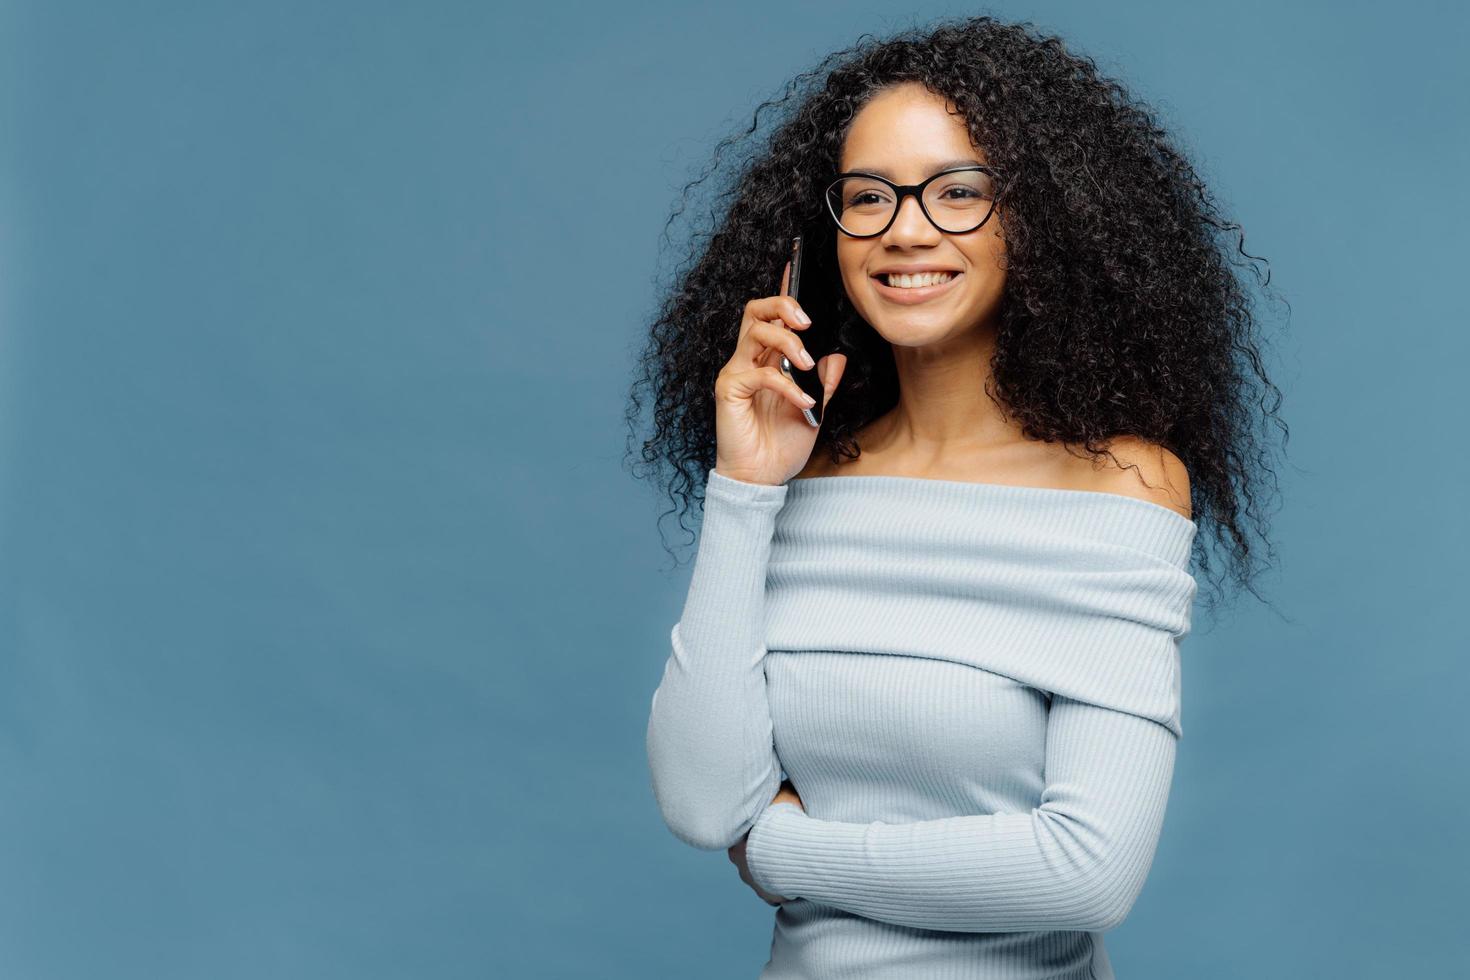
830, 369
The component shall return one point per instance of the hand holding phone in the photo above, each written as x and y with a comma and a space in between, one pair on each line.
759, 439
807, 378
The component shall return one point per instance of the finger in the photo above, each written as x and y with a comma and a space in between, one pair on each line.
831, 369
778, 309
776, 336
745, 384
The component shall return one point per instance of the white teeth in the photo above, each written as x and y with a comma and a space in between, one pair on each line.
918, 279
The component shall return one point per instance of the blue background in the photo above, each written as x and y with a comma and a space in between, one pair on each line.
330, 616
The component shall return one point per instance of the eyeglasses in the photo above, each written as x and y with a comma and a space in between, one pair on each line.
955, 201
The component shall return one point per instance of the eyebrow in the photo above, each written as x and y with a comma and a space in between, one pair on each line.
938, 167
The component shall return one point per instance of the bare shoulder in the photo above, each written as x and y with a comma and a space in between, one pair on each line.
1147, 471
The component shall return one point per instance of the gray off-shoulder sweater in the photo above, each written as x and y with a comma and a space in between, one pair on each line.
973, 687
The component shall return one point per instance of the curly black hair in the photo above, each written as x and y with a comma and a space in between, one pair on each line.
1123, 312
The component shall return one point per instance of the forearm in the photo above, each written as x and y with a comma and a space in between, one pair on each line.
711, 750
1076, 862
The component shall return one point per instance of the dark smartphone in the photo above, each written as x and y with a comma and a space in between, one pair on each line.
817, 338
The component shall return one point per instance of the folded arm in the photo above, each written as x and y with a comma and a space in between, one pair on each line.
711, 750
1075, 862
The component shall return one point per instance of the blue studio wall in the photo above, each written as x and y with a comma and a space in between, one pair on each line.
330, 614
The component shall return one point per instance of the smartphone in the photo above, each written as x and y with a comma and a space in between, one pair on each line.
813, 339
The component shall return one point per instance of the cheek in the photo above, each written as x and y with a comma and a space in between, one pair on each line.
853, 271
988, 258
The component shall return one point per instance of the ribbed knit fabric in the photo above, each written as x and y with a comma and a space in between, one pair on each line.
974, 689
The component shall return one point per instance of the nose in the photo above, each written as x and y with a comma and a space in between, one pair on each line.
911, 226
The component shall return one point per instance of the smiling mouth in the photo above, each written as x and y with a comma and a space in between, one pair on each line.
919, 289
916, 281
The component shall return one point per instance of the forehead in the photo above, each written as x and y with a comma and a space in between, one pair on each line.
907, 133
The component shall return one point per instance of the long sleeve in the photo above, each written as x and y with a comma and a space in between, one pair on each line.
1075, 862
711, 749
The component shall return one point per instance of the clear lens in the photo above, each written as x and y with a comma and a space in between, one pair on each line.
957, 202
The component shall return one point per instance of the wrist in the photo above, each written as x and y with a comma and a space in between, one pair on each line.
748, 478
734, 489
760, 860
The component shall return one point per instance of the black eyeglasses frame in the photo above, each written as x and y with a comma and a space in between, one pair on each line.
917, 190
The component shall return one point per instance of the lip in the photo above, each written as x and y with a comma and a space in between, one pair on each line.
917, 294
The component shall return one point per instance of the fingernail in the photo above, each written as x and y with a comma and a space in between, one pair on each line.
806, 360
803, 317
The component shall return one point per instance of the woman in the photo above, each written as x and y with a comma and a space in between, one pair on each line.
925, 688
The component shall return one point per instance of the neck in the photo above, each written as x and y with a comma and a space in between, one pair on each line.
943, 410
